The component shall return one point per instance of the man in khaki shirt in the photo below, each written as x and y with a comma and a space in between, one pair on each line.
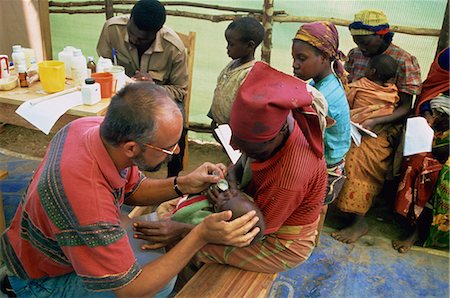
151, 51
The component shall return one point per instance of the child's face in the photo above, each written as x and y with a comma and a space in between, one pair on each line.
306, 62
236, 48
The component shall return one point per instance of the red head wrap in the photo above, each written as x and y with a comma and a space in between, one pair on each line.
263, 103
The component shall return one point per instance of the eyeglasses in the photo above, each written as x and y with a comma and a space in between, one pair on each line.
168, 152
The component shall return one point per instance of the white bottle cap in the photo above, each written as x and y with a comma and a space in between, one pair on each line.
90, 58
17, 48
77, 52
68, 51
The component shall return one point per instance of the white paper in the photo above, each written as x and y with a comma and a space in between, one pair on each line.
356, 135
43, 113
223, 131
355, 131
364, 130
419, 136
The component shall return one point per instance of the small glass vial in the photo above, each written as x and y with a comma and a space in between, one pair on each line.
90, 92
91, 65
22, 70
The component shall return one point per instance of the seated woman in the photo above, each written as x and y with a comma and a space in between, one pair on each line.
422, 184
284, 163
420, 187
372, 98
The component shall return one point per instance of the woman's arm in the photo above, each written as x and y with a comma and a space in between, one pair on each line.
399, 114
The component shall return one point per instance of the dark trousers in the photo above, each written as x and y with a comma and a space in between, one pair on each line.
175, 165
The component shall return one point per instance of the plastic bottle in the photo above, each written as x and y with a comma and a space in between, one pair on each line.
18, 56
78, 67
91, 65
30, 57
103, 63
22, 70
90, 92
66, 57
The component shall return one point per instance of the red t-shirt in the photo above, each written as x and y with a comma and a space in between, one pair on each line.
290, 187
69, 220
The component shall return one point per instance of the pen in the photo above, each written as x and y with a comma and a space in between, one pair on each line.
114, 56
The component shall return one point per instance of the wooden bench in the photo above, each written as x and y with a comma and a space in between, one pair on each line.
215, 280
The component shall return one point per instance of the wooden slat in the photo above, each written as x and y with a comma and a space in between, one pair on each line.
189, 43
3, 174
46, 38
215, 280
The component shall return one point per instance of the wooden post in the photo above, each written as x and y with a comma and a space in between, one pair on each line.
109, 9
46, 37
267, 22
443, 36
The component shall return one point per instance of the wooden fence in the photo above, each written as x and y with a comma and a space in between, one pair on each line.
267, 15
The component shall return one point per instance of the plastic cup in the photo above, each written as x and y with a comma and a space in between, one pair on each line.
105, 79
119, 77
52, 75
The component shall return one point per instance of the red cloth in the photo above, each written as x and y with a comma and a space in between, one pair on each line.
420, 173
437, 82
70, 220
263, 103
289, 188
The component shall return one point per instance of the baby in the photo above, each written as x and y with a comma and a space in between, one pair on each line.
219, 197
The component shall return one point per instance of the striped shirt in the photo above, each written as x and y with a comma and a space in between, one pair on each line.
289, 188
69, 220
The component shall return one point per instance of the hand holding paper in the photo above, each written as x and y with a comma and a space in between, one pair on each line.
355, 131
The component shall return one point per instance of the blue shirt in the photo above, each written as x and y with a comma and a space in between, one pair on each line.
337, 137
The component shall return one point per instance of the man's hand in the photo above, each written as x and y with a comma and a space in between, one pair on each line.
139, 76
239, 232
160, 233
201, 178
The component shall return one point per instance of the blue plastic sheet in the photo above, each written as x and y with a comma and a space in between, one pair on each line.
368, 268
358, 270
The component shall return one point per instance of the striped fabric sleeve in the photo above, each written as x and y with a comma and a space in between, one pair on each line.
279, 206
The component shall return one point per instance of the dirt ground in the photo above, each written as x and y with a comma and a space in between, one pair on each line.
34, 143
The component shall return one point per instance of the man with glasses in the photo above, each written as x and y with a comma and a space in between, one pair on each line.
66, 237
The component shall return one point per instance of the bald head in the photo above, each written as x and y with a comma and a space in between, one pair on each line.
136, 112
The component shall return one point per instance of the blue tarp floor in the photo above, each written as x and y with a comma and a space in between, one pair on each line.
368, 268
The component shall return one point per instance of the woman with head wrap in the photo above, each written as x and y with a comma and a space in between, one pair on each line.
422, 185
366, 176
277, 130
316, 56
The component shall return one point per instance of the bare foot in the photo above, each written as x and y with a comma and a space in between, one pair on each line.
405, 245
353, 232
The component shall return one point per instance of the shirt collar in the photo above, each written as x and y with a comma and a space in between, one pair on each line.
104, 161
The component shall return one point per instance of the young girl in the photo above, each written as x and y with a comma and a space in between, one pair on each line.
314, 50
243, 37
